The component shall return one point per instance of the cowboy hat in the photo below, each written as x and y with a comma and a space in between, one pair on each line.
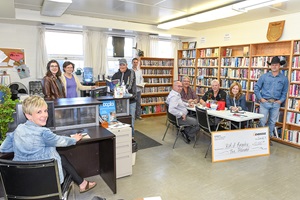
276, 60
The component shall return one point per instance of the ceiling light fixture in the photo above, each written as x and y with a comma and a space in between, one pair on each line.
219, 13
55, 8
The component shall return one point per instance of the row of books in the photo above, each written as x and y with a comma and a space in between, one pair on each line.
225, 83
235, 62
292, 136
209, 52
205, 81
189, 53
186, 71
294, 104
295, 75
207, 62
227, 52
256, 73
158, 80
208, 72
251, 97
261, 61
294, 90
297, 47
201, 90
186, 62
153, 99
295, 62
180, 77
153, 109
156, 89
252, 85
157, 71
234, 73
293, 118
157, 62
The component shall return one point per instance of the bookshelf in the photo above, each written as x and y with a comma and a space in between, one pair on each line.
247, 63
158, 76
234, 66
186, 64
207, 68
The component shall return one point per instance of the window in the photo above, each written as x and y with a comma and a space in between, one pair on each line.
129, 53
65, 46
165, 49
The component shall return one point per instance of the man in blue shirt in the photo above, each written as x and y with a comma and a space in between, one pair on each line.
178, 108
271, 89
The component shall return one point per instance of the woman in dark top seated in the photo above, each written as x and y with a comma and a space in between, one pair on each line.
236, 100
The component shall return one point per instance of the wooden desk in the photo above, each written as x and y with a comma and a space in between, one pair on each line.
93, 156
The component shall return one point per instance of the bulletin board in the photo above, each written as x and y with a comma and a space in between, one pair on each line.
11, 57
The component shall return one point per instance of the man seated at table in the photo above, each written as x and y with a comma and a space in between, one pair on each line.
214, 94
187, 93
178, 108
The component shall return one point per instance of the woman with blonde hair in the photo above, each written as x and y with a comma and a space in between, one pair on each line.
236, 100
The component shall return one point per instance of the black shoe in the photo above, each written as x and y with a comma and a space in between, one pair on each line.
185, 137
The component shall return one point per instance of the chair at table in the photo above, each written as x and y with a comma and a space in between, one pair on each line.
33, 180
203, 121
251, 108
172, 120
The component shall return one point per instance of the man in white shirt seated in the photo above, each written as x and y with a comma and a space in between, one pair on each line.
178, 108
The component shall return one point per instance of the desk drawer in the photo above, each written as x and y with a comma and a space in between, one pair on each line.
123, 147
122, 134
124, 164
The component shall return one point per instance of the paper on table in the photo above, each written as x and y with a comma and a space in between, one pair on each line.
84, 135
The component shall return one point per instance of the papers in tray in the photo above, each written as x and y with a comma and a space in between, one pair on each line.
117, 125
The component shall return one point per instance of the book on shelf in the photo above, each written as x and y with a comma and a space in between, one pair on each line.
297, 121
228, 52
246, 51
216, 52
277, 131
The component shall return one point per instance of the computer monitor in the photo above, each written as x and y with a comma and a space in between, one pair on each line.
99, 91
20, 118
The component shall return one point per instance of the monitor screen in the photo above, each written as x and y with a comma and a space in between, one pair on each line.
20, 118
99, 91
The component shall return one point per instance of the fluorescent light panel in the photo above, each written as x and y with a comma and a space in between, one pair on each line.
55, 8
220, 13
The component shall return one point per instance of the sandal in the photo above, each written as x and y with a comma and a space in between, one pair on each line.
87, 187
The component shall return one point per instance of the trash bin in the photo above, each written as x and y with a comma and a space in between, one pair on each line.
134, 150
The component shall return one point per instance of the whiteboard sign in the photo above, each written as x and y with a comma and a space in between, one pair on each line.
236, 144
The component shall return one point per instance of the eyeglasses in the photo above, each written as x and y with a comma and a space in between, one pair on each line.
53, 66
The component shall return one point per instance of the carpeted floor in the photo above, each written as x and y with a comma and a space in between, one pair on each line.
143, 141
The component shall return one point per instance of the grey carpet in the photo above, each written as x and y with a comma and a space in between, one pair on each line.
143, 141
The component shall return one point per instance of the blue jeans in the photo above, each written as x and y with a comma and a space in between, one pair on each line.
132, 108
270, 112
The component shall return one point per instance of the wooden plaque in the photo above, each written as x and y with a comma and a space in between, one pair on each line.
275, 30
185, 45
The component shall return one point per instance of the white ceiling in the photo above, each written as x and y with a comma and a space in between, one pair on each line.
153, 12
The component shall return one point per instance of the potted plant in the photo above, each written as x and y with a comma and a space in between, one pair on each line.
7, 108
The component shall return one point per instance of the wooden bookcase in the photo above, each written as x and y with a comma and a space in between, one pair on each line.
207, 68
246, 63
158, 76
186, 64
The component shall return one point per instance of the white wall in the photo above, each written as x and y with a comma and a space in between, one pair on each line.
20, 37
250, 32
25, 37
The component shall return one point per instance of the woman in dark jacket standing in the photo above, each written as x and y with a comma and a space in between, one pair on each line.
52, 86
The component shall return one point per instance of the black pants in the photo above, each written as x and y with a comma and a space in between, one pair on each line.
68, 167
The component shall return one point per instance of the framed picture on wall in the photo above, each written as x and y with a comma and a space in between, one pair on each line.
192, 45
185, 45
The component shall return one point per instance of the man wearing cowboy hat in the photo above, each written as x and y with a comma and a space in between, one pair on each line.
270, 90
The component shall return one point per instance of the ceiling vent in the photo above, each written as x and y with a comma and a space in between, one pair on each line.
55, 8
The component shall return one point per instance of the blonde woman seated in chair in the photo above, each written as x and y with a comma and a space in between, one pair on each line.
33, 142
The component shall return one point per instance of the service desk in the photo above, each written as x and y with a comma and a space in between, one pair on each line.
93, 156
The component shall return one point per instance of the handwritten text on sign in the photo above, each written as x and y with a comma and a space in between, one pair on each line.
234, 144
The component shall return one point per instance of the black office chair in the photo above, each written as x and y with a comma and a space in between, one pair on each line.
172, 120
33, 180
250, 106
203, 121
